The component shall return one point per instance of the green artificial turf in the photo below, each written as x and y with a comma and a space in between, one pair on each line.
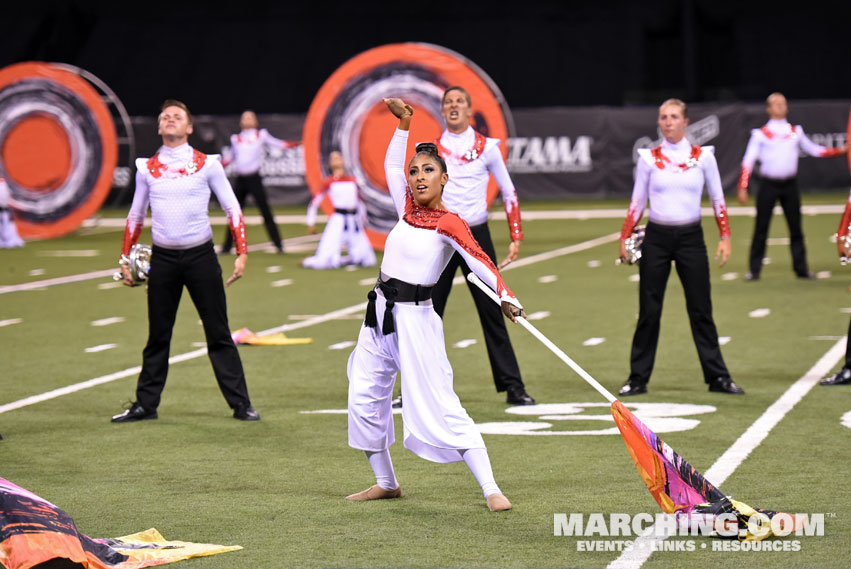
277, 487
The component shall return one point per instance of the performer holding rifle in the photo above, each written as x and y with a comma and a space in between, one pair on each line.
672, 177
176, 183
402, 332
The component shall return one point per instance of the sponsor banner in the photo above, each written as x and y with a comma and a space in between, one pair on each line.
567, 152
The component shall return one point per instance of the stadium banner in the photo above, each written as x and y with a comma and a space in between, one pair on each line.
567, 153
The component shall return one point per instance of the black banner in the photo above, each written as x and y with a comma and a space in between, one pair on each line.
565, 152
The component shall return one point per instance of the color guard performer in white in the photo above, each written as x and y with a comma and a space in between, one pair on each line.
776, 146
472, 159
345, 227
9, 237
672, 177
843, 376
402, 332
247, 155
176, 184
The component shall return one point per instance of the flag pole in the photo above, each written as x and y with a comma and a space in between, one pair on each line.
546, 341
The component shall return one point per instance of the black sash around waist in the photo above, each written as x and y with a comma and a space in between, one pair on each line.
394, 290
345, 211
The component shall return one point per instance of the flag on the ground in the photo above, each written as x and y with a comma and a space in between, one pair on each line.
33, 531
680, 489
246, 336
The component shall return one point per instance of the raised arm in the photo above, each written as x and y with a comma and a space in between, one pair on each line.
394, 160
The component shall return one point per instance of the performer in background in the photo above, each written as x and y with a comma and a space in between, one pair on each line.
402, 332
9, 237
672, 177
247, 149
345, 228
843, 376
776, 146
176, 183
471, 159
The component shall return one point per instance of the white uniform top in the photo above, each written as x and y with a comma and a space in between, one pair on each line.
247, 148
343, 193
672, 178
776, 146
466, 193
176, 183
4, 193
419, 246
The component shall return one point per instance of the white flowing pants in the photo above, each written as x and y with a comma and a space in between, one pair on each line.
436, 426
342, 232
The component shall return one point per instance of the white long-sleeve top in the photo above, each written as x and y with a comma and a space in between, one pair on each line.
176, 183
469, 169
247, 148
775, 146
419, 246
672, 177
343, 193
5, 194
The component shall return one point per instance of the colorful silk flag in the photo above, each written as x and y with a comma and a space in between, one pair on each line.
681, 490
246, 336
33, 531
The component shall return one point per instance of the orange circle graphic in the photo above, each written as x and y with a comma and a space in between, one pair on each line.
348, 110
51, 149
37, 153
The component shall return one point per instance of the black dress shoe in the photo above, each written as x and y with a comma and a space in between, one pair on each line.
245, 413
135, 413
518, 396
843, 377
397, 403
751, 277
633, 387
808, 275
725, 385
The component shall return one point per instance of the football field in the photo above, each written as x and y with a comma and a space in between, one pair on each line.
72, 342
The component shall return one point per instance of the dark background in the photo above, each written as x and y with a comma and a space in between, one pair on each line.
274, 56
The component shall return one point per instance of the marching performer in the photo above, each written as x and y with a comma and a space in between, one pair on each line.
176, 183
672, 177
9, 237
776, 146
345, 225
471, 159
247, 150
843, 376
402, 332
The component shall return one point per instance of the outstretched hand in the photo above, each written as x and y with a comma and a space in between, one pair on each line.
398, 107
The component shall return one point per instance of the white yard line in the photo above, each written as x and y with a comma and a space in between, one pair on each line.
342, 312
728, 462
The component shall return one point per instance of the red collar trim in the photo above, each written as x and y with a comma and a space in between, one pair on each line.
474, 152
768, 134
690, 163
420, 216
156, 168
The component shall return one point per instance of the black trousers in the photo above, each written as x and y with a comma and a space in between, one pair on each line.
684, 246
199, 271
253, 184
786, 192
506, 372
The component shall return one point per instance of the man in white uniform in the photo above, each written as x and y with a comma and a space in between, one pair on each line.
776, 146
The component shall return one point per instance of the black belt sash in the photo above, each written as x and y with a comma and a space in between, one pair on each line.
394, 291
345, 211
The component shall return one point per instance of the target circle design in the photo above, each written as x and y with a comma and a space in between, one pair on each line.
348, 114
58, 148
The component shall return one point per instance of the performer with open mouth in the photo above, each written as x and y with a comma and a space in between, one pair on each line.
402, 332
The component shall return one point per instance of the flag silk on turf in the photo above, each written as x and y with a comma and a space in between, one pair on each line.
33, 531
680, 489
